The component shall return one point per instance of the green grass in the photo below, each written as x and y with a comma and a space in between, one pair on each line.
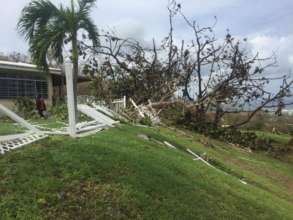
51, 123
281, 138
7, 128
117, 175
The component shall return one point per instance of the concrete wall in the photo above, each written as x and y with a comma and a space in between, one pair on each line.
7, 103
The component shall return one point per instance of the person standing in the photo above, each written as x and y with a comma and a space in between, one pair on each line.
41, 106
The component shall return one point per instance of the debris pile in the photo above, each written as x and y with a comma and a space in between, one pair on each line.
147, 111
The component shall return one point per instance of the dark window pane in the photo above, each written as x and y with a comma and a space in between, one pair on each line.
11, 88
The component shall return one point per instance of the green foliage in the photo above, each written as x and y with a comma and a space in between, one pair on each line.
26, 107
246, 139
8, 127
263, 121
47, 27
109, 88
173, 114
186, 118
60, 111
146, 121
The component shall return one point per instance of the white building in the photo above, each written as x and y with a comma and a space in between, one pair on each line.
26, 80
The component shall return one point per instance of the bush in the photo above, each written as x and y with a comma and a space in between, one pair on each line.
244, 139
279, 150
25, 107
233, 136
59, 110
186, 118
146, 121
172, 114
263, 144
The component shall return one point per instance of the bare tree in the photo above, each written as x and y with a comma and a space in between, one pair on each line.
142, 72
223, 75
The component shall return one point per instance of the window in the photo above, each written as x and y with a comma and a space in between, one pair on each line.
11, 88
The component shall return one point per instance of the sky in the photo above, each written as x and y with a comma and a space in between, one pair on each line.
266, 23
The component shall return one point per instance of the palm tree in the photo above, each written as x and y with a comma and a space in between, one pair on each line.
48, 28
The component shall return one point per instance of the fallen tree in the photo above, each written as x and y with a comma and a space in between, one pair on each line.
205, 74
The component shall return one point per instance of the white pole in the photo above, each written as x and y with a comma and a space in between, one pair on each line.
70, 98
18, 119
124, 102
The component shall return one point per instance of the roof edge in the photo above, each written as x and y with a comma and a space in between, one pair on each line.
26, 67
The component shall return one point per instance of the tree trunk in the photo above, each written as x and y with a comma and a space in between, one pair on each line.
218, 115
75, 72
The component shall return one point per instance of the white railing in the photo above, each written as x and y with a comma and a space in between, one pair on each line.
119, 104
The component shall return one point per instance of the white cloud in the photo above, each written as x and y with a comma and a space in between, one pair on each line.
145, 19
130, 29
282, 46
202, 7
290, 59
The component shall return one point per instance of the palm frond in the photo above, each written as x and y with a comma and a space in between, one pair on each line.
46, 27
49, 37
86, 5
88, 25
39, 46
57, 34
35, 16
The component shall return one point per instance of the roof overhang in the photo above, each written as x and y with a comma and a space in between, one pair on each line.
25, 67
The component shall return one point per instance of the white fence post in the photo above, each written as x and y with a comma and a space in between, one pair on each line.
124, 102
70, 98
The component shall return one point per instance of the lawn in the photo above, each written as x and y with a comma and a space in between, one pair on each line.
282, 138
117, 174
7, 127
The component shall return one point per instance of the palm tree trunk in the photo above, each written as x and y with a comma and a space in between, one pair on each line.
75, 72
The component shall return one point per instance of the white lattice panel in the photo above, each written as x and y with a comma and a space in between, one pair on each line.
20, 141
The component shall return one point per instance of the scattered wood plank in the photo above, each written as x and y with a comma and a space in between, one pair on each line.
200, 158
208, 164
137, 108
169, 145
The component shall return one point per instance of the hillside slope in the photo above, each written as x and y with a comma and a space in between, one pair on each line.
125, 173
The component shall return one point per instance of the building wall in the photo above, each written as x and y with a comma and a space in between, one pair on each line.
23, 70
9, 103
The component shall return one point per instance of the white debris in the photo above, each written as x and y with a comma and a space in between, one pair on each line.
12, 142
200, 158
169, 145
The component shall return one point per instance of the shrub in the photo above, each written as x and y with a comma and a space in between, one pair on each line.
59, 110
172, 114
146, 121
25, 106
